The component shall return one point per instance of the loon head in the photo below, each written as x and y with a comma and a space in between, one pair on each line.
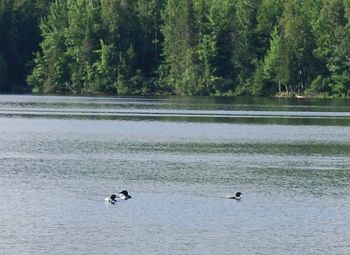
124, 195
112, 199
238, 195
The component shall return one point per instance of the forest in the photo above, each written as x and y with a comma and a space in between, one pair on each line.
175, 47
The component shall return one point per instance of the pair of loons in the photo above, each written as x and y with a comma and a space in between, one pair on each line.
124, 195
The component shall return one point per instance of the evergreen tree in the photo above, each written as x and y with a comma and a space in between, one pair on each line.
81, 38
179, 47
276, 64
246, 50
149, 17
332, 27
51, 72
299, 43
222, 26
19, 38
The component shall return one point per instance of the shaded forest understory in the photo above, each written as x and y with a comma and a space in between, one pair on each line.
182, 47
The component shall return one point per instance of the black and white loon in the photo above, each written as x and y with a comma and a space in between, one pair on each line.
112, 199
236, 197
124, 195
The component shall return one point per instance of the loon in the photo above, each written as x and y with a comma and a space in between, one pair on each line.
124, 195
112, 199
236, 197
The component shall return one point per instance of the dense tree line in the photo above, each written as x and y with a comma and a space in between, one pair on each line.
184, 47
19, 38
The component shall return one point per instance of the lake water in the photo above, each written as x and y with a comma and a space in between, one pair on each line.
178, 157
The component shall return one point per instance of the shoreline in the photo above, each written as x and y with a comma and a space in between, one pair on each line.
99, 94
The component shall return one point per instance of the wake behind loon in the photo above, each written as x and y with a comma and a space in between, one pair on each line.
236, 197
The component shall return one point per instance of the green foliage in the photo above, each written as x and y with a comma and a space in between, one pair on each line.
51, 72
184, 47
19, 38
276, 62
320, 85
179, 46
245, 52
332, 30
299, 43
103, 73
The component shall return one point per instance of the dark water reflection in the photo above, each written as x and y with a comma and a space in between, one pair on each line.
61, 156
226, 110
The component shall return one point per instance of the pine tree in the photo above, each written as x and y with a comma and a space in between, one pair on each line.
332, 30
179, 51
245, 51
51, 72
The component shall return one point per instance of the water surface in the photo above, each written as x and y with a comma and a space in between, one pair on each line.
178, 157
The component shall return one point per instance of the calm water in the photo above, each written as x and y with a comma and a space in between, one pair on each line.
178, 157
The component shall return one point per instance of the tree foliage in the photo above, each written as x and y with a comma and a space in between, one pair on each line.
184, 47
19, 38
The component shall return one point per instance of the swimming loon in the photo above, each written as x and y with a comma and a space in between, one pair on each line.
112, 199
236, 197
124, 195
